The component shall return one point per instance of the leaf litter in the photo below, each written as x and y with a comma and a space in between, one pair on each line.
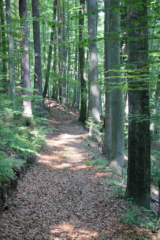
62, 198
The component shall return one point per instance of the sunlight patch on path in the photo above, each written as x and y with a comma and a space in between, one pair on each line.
71, 231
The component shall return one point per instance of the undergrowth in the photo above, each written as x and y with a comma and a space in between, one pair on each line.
18, 142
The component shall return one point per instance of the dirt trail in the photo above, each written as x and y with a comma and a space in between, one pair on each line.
61, 198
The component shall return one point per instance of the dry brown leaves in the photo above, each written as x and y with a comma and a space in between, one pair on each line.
61, 198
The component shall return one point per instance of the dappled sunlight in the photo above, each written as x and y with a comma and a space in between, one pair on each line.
66, 231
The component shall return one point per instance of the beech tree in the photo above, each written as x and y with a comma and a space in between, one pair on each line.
11, 49
4, 83
37, 57
138, 184
25, 67
93, 61
114, 106
83, 108
50, 49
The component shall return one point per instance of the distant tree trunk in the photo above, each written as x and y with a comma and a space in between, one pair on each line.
25, 68
3, 82
93, 62
11, 50
107, 122
37, 58
117, 147
60, 49
83, 112
138, 184
64, 58
50, 50
54, 66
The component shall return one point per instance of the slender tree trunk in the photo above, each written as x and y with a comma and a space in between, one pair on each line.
64, 58
25, 67
138, 184
54, 66
37, 58
11, 50
50, 50
117, 147
3, 83
93, 61
107, 122
60, 49
83, 112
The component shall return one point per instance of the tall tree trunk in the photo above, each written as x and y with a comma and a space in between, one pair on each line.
3, 83
11, 50
54, 66
117, 147
83, 112
138, 184
64, 58
93, 61
60, 49
50, 50
37, 58
107, 122
25, 67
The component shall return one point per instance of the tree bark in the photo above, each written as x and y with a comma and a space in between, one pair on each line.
117, 145
93, 61
107, 122
25, 67
138, 185
3, 82
50, 50
83, 112
11, 50
37, 58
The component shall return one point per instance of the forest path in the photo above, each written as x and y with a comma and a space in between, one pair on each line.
61, 198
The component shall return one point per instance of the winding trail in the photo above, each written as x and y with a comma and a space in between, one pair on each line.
61, 198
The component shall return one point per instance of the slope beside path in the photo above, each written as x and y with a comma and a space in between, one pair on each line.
62, 198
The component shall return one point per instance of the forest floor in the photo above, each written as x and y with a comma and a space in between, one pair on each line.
61, 198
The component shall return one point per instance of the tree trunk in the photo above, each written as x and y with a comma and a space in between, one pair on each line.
50, 50
138, 185
83, 112
37, 58
11, 50
25, 68
3, 82
117, 145
60, 49
93, 61
107, 122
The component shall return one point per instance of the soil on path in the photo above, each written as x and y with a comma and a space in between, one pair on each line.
62, 198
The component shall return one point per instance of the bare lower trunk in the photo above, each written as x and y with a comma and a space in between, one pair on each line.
25, 68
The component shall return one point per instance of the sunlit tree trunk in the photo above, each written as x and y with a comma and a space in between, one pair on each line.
93, 61
107, 122
50, 50
11, 50
37, 58
117, 145
138, 184
83, 113
25, 67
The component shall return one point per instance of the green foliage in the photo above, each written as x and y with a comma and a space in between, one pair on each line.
6, 166
100, 163
138, 216
23, 142
117, 187
93, 129
155, 166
